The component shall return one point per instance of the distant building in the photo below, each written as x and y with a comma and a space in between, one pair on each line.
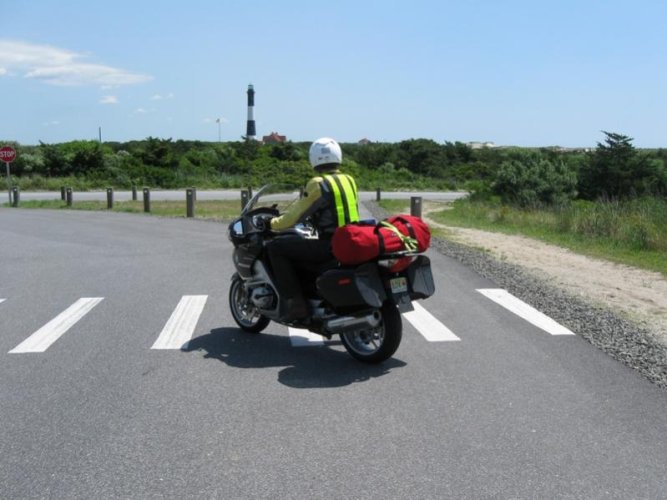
273, 138
560, 149
480, 145
364, 141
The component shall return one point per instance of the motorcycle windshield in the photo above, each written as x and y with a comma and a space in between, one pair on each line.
278, 196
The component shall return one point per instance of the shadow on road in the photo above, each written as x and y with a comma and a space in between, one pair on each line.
305, 367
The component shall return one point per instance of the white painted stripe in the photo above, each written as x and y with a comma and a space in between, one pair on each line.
429, 326
181, 325
2, 300
54, 329
523, 310
300, 337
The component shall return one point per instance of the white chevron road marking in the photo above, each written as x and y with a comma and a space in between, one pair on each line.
422, 320
42, 339
178, 330
429, 326
523, 310
300, 337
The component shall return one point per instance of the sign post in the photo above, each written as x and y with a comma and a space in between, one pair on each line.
8, 155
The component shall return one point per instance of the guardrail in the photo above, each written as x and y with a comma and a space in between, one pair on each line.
67, 195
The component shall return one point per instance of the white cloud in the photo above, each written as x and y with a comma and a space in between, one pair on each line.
57, 66
140, 111
159, 97
109, 99
3, 71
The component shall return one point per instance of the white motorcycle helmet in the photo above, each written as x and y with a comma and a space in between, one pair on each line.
325, 151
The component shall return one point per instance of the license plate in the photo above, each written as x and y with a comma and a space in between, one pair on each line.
399, 285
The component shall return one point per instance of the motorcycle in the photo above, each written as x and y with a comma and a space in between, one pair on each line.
362, 304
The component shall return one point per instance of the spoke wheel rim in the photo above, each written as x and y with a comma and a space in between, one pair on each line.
366, 342
246, 313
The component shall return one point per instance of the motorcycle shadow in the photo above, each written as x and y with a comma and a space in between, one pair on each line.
305, 367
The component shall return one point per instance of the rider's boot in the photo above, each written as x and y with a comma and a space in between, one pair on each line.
296, 309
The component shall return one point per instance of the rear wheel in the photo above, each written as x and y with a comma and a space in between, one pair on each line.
375, 345
244, 312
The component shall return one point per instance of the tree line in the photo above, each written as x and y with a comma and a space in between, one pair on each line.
615, 169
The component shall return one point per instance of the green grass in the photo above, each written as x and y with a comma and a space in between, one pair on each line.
396, 206
632, 232
216, 210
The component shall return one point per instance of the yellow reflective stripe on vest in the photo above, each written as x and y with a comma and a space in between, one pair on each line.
353, 183
350, 191
345, 197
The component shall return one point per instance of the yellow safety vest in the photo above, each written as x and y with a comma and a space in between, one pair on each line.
344, 191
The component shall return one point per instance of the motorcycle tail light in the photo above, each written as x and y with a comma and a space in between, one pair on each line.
398, 264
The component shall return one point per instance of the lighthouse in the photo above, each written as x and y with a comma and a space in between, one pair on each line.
250, 128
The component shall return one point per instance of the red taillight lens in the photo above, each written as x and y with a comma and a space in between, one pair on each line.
401, 264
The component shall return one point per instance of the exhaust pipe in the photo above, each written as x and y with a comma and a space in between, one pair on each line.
346, 323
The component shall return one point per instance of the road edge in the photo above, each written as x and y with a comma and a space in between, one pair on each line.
624, 340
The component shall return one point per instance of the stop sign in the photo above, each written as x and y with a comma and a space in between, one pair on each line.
7, 154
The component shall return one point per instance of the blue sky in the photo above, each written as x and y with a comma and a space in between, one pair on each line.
527, 73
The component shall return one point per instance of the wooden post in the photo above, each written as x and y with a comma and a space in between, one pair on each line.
109, 198
416, 206
190, 202
244, 198
147, 200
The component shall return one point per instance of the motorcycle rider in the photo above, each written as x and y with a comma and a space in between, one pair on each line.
329, 200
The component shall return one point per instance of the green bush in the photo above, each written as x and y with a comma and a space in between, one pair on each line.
617, 170
521, 176
535, 181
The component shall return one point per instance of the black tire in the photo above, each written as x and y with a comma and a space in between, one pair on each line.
245, 314
377, 344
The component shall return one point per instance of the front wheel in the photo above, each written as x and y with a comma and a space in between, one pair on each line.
244, 312
375, 345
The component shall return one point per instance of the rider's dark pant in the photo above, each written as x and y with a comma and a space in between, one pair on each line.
285, 253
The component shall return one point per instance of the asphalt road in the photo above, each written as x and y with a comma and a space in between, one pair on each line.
506, 411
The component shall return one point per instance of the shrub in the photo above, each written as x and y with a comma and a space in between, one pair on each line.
616, 170
535, 181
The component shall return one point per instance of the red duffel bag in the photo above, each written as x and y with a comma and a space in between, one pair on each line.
414, 227
356, 243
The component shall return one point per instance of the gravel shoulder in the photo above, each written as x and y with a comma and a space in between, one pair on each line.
619, 309
640, 296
